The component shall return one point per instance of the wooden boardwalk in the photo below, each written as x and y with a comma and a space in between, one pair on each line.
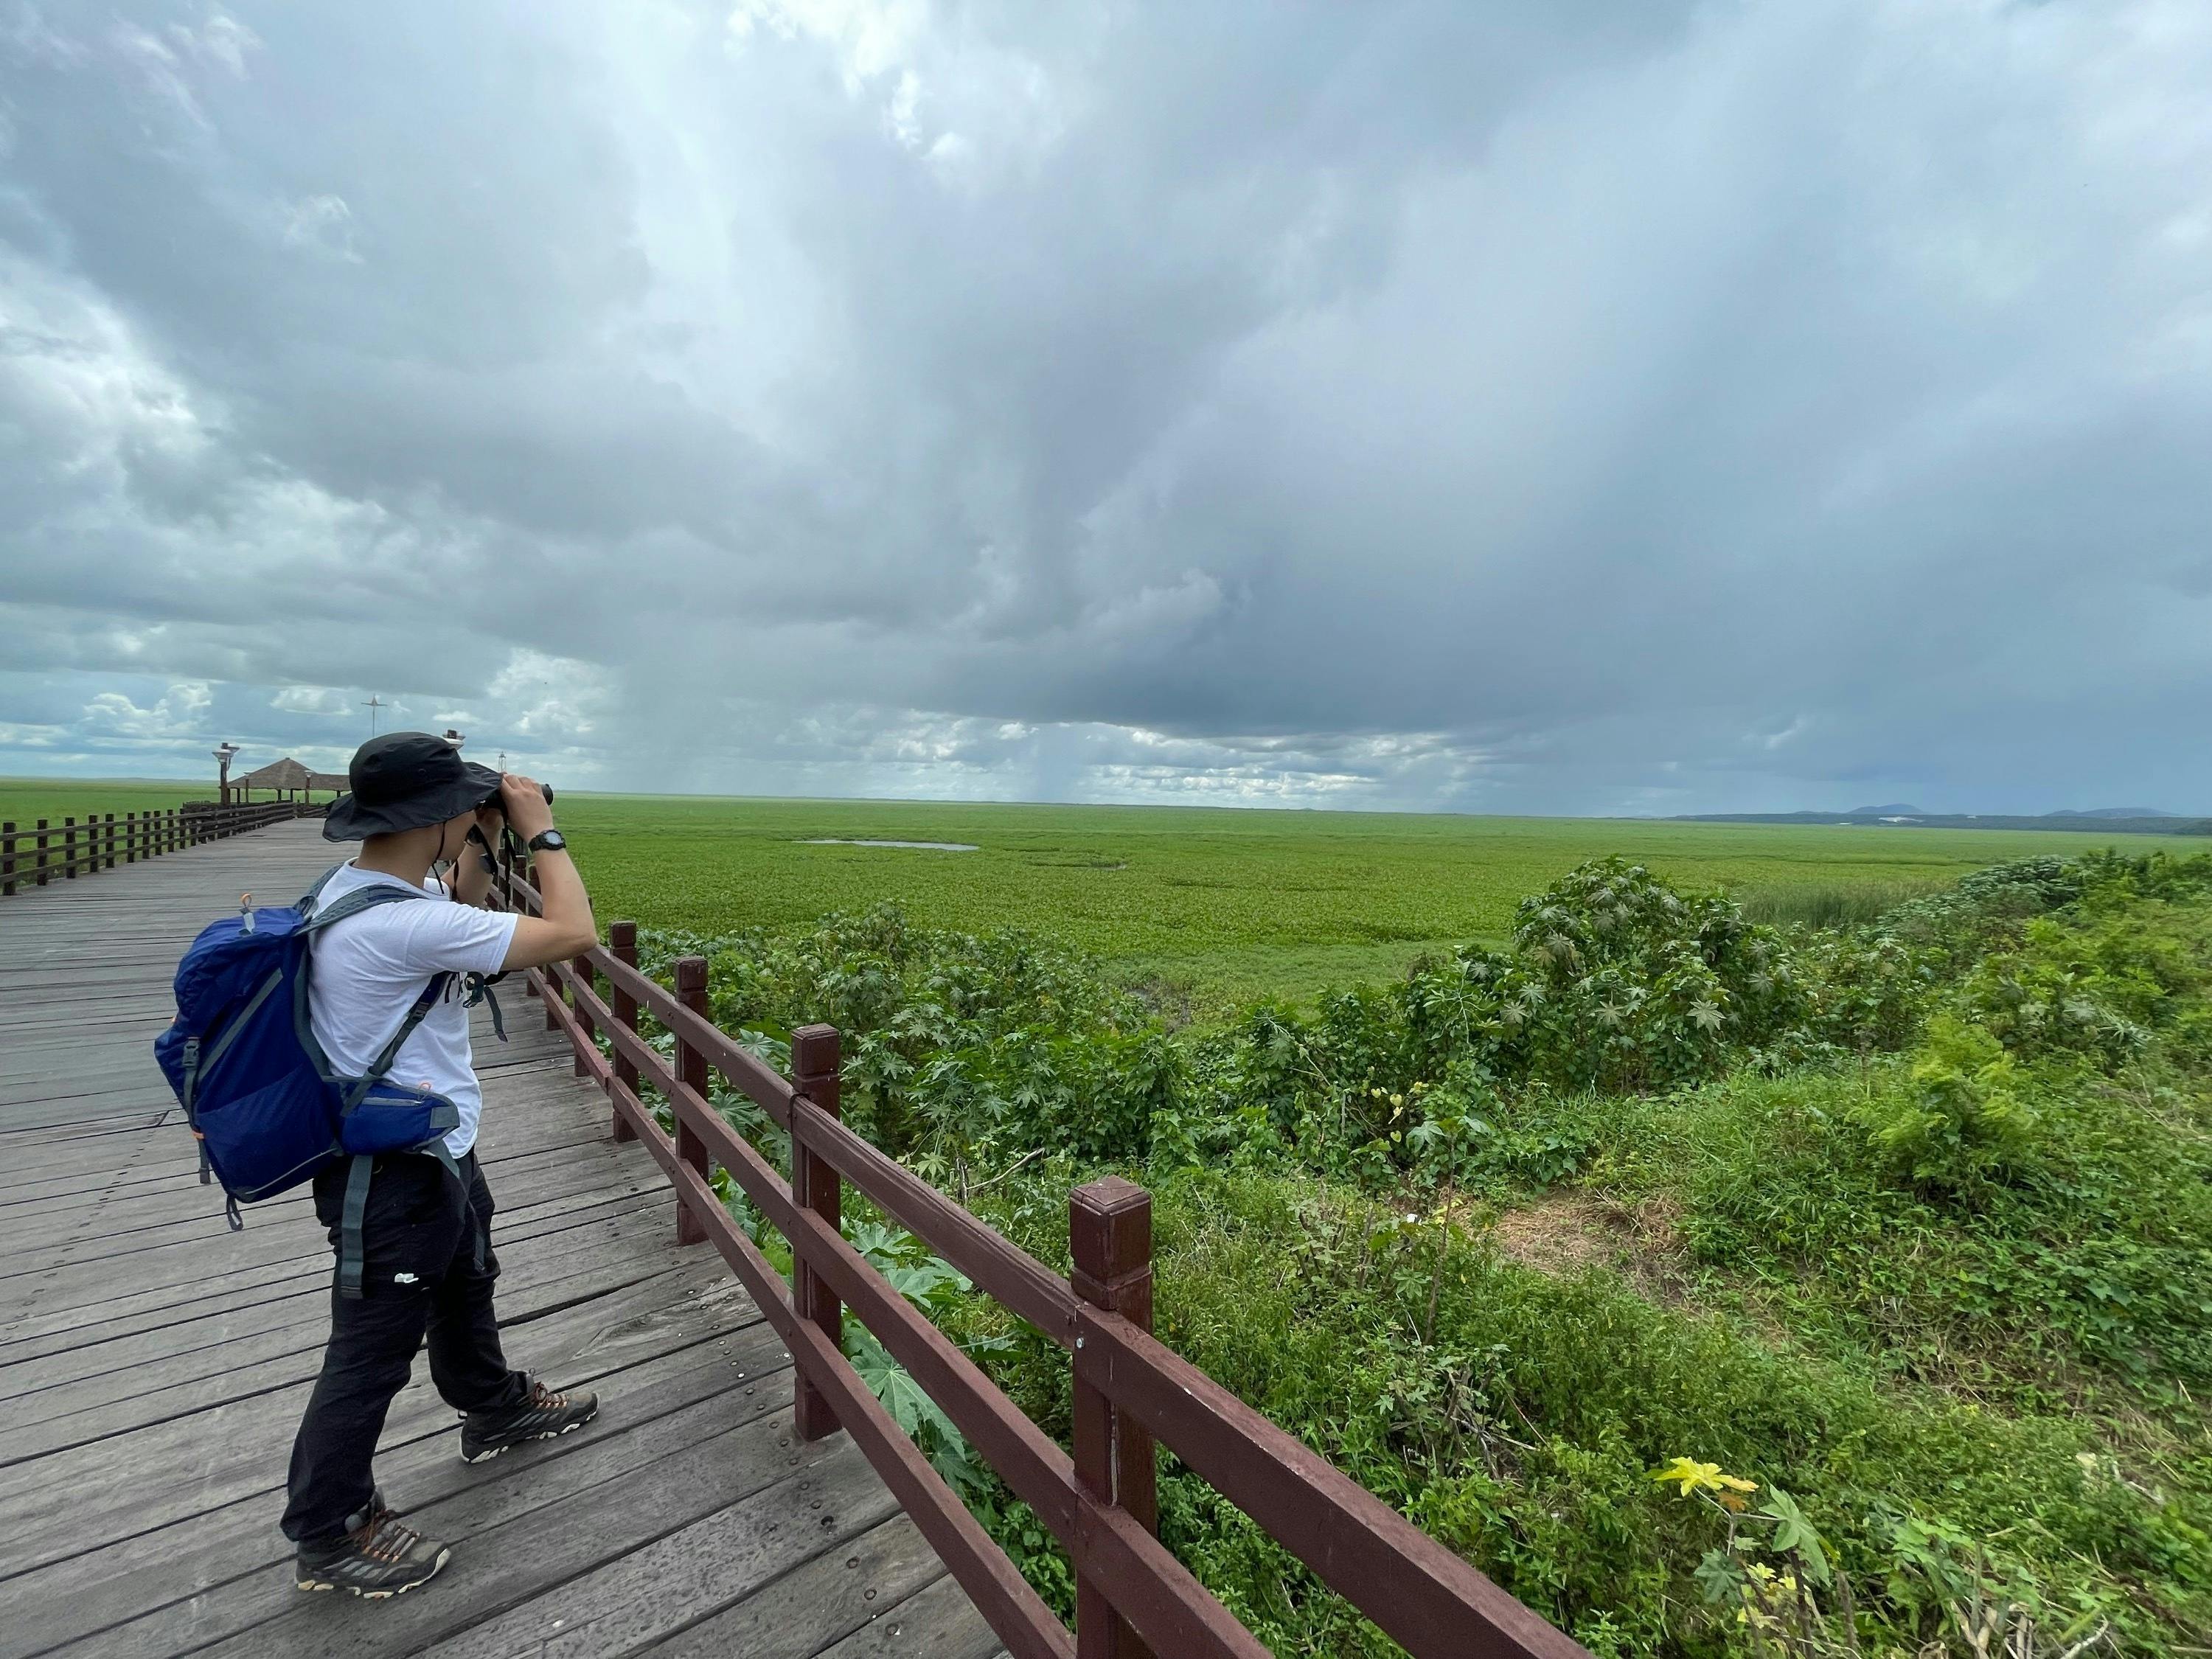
153, 1365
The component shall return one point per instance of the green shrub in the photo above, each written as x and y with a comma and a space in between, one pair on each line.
1919, 1215
1962, 1124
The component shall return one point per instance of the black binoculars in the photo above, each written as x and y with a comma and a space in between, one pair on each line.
492, 800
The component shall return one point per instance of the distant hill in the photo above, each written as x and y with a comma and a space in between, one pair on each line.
2102, 820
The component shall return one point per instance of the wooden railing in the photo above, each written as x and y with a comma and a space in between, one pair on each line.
1132, 1597
44, 852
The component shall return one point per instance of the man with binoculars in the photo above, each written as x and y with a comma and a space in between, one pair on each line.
422, 1219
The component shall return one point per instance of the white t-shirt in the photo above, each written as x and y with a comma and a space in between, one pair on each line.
369, 968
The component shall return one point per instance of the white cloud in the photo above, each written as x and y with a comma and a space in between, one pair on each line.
181, 714
554, 709
321, 225
1638, 408
311, 699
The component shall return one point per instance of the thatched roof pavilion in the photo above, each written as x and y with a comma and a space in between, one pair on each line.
287, 778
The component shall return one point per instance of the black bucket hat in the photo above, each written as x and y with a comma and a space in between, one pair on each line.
406, 780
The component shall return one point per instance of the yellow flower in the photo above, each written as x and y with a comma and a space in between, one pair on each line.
1694, 1477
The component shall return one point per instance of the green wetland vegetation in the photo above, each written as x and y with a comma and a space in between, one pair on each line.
1719, 1286
1215, 907
1736, 1240
24, 801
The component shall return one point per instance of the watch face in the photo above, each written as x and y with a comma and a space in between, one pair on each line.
550, 840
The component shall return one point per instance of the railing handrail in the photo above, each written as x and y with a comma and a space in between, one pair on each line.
101, 840
1426, 1597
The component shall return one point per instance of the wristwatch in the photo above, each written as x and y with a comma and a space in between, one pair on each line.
549, 840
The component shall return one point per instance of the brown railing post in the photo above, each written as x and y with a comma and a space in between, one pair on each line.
131, 838
68, 849
816, 1062
622, 945
692, 1072
7, 859
1109, 1225
42, 851
110, 827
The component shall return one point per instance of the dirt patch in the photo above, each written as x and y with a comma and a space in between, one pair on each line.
1566, 1231
1560, 1233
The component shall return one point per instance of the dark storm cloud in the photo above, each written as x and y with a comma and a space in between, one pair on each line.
1585, 407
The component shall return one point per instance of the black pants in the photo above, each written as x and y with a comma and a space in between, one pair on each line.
419, 1239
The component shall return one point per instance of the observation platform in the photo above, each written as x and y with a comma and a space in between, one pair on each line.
153, 1365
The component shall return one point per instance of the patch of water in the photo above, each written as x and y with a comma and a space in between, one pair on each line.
926, 846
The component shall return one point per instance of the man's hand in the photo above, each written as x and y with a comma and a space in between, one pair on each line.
528, 812
563, 926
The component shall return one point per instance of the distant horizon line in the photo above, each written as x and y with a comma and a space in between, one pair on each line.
1212, 806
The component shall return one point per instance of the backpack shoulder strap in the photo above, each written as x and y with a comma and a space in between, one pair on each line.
318, 918
306, 904
353, 904
390, 1052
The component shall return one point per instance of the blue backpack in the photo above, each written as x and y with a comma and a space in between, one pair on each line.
257, 1089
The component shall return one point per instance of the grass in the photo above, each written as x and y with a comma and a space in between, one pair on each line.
1218, 906
1913, 1244
1226, 905
24, 801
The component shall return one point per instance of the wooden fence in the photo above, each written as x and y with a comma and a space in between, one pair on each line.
42, 852
1133, 1599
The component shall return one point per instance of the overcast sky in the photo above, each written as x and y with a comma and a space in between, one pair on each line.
1591, 405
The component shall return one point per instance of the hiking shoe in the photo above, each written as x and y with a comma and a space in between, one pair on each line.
377, 1556
545, 1416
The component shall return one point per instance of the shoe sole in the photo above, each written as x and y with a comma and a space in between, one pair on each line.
384, 1594
491, 1452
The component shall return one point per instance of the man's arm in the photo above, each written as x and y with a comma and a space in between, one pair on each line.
471, 877
565, 928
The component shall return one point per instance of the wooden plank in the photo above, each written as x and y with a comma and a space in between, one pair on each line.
51, 1411
494, 1151
153, 1365
160, 1304
146, 1572
297, 1359
143, 1189
873, 1579
91, 1352
938, 1623
580, 1209
718, 1560
455, 1504
523, 1109
169, 1261
748, 1480
52, 1507
151, 1209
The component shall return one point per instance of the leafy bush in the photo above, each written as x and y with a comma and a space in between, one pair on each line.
1921, 1246
1962, 1123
